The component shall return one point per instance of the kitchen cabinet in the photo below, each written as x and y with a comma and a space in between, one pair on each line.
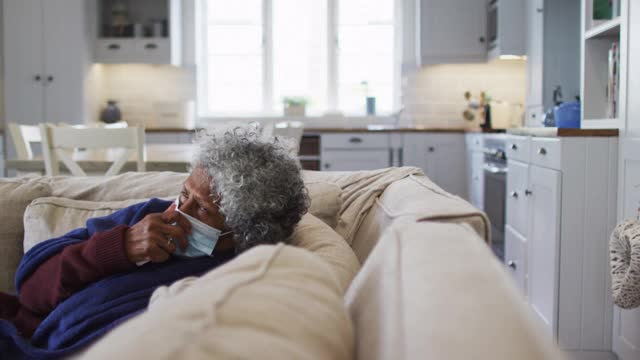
475, 170
560, 212
505, 34
553, 53
451, 31
2, 174
355, 151
47, 62
442, 158
162, 48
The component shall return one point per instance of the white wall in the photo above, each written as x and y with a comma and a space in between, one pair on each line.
433, 96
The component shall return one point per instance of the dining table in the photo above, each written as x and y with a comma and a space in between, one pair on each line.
157, 157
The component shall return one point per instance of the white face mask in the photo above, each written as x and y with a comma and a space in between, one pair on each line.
202, 239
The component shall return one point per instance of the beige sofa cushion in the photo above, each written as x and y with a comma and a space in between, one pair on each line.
15, 195
46, 218
317, 237
272, 302
399, 201
434, 290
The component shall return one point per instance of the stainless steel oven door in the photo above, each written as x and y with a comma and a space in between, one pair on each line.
495, 188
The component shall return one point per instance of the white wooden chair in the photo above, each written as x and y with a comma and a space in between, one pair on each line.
59, 143
23, 136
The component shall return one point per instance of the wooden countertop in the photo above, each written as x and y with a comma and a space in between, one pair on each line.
556, 132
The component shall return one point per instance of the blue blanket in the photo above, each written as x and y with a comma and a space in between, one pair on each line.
91, 312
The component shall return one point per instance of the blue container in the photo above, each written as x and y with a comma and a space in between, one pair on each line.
567, 115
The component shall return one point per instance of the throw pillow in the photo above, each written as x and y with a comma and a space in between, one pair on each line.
15, 195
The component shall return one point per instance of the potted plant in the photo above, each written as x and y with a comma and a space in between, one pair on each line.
294, 105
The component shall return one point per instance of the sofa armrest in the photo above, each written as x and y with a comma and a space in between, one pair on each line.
434, 290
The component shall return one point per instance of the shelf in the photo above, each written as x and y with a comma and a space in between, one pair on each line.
606, 29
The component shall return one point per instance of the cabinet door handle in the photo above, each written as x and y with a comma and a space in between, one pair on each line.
50, 78
151, 46
528, 193
113, 47
539, 10
327, 165
542, 151
37, 78
512, 264
481, 39
514, 194
514, 147
431, 149
355, 140
401, 156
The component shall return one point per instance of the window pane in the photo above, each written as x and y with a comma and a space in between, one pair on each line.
300, 52
234, 56
365, 54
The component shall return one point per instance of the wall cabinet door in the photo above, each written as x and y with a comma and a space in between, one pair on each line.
543, 244
517, 202
535, 46
441, 157
352, 160
451, 31
23, 61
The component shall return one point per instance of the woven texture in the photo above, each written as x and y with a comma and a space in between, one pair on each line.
625, 264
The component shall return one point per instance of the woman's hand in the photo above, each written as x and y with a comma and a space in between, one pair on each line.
150, 238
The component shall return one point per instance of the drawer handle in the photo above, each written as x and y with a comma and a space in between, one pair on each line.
431, 149
355, 140
542, 151
514, 147
514, 194
151, 46
512, 264
528, 193
113, 47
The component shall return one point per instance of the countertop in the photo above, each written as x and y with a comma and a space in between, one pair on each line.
374, 128
556, 132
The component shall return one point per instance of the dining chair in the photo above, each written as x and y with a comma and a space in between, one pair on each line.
23, 136
289, 129
59, 144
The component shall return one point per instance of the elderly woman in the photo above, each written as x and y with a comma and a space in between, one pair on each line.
243, 191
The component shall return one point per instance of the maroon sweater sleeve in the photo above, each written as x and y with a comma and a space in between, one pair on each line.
75, 267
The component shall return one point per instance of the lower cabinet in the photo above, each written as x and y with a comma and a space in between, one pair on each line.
561, 201
168, 137
2, 174
441, 157
352, 160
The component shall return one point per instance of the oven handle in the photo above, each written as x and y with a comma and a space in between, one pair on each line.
495, 169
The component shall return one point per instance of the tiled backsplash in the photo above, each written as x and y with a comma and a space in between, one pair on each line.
137, 87
433, 96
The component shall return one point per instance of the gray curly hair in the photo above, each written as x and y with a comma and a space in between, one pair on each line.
257, 182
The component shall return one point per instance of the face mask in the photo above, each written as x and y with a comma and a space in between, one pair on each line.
202, 240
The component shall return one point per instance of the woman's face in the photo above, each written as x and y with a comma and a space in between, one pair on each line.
196, 200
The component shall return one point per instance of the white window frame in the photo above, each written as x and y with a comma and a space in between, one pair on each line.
267, 63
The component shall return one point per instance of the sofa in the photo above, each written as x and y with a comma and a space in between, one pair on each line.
386, 265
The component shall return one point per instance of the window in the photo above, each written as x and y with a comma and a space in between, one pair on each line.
253, 53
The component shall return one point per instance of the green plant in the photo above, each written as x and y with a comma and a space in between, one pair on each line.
294, 101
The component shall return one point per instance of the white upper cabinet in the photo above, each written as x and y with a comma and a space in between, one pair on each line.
152, 33
505, 34
47, 61
451, 31
553, 53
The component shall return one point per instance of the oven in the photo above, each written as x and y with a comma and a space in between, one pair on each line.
495, 188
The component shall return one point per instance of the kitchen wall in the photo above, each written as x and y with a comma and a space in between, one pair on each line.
433, 96
137, 87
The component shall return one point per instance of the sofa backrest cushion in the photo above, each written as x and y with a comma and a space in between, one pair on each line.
433, 290
46, 218
415, 197
272, 302
15, 195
